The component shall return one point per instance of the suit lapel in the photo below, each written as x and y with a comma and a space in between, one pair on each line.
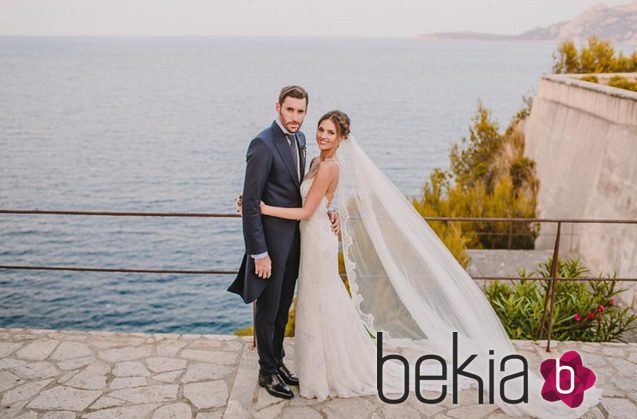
281, 144
301, 147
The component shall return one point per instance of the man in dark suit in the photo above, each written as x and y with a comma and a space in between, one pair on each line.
268, 273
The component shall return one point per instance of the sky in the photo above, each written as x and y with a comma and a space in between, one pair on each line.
381, 18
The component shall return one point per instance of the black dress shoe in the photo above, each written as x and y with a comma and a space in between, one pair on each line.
273, 385
287, 376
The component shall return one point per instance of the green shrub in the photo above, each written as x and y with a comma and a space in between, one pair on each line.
596, 57
590, 78
584, 310
488, 177
622, 83
246, 331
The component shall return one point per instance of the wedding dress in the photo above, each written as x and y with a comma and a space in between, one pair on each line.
403, 282
335, 356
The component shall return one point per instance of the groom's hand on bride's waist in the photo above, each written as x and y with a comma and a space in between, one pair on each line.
263, 267
335, 219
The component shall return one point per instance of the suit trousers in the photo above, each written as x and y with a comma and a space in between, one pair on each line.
272, 307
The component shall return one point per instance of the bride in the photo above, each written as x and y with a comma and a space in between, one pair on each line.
403, 282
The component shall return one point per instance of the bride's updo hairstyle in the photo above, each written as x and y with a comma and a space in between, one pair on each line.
340, 119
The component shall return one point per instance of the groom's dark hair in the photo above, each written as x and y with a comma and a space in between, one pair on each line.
294, 91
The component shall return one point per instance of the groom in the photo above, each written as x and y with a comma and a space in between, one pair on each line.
274, 171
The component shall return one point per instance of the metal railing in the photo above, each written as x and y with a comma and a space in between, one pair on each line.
549, 298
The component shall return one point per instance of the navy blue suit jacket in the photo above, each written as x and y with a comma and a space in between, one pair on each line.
270, 177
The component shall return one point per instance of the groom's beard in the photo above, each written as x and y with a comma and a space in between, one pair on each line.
292, 127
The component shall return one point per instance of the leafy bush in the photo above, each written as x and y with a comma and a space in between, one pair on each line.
246, 331
616, 81
622, 83
488, 177
591, 78
597, 57
584, 310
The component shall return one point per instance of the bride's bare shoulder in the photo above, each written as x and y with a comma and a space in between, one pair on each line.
329, 165
326, 169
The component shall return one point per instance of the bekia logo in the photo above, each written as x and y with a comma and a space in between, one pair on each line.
458, 371
566, 379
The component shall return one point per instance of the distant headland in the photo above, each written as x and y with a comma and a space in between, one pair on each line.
617, 24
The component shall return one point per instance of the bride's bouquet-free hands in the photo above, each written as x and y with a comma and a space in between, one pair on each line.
335, 219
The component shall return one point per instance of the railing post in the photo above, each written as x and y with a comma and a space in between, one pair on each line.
510, 236
543, 320
254, 328
554, 280
549, 289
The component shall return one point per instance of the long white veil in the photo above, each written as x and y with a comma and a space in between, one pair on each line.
405, 283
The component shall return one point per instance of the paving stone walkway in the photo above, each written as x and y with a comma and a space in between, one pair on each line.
74, 374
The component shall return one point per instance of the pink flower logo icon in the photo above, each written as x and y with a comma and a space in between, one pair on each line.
566, 379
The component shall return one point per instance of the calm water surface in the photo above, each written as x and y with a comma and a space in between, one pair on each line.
162, 124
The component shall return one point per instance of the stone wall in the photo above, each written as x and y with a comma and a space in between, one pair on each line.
583, 138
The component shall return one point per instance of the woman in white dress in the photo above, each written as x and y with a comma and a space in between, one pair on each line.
403, 282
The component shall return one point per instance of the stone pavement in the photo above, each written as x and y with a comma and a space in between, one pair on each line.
75, 374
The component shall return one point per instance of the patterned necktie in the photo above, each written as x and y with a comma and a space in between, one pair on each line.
295, 154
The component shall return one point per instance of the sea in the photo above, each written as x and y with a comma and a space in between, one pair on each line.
161, 124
